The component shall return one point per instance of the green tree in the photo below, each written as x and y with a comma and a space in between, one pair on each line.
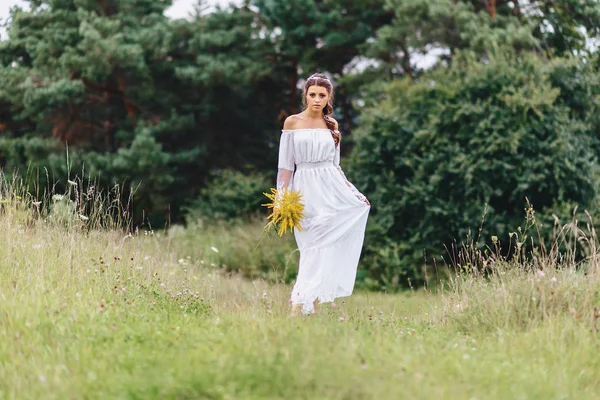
320, 35
440, 28
434, 153
140, 100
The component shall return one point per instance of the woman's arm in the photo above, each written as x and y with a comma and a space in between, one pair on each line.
286, 164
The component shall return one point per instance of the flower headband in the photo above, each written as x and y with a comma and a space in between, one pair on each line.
319, 77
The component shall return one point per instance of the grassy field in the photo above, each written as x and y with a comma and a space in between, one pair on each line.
91, 314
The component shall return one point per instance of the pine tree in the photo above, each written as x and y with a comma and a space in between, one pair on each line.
321, 36
139, 98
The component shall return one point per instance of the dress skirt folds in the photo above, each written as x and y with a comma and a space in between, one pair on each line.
335, 212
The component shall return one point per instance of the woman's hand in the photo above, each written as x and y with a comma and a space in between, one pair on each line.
367, 201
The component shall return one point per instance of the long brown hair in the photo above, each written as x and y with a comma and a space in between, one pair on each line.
323, 81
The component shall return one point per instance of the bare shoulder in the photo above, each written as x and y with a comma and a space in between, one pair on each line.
291, 122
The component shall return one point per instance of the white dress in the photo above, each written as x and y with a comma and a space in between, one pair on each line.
335, 213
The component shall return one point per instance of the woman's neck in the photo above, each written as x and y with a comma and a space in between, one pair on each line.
313, 114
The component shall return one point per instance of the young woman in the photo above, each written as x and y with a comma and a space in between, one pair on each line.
335, 211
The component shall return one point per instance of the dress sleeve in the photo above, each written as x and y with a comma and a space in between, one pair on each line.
286, 164
336, 161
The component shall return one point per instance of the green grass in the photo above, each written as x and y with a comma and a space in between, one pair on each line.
103, 315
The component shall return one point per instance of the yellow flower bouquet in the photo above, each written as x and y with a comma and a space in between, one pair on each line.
287, 210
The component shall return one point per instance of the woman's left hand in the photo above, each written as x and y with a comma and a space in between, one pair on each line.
367, 201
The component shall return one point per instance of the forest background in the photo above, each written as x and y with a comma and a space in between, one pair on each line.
454, 114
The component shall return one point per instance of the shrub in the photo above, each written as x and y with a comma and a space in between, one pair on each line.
229, 195
434, 154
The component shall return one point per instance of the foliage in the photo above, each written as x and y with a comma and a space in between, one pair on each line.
441, 29
479, 139
229, 195
324, 36
142, 101
115, 93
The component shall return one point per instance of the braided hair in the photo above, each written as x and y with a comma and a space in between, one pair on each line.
323, 81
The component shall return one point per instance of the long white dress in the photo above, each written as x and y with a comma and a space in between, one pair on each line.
335, 212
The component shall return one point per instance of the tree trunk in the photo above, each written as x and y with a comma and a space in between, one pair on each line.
406, 60
490, 6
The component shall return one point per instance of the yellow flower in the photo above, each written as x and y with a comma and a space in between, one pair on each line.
289, 210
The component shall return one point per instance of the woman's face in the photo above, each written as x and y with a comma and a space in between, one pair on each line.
316, 98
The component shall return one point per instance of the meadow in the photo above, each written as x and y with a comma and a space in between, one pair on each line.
96, 313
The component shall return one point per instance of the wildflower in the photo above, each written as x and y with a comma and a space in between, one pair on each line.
213, 248
494, 239
553, 279
289, 210
341, 319
83, 217
72, 183
541, 274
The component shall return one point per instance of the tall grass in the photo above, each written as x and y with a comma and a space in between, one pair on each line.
81, 206
239, 247
530, 283
96, 310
